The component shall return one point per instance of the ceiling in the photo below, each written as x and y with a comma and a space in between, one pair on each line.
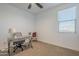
34, 9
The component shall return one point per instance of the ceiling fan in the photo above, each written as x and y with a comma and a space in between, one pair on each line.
38, 4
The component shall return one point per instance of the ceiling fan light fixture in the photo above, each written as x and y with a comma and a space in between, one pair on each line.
38, 4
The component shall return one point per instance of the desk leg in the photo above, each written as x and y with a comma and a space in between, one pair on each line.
30, 44
9, 48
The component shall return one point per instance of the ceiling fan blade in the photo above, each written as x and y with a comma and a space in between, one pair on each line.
29, 6
39, 5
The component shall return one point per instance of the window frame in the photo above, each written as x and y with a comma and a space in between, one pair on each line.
67, 21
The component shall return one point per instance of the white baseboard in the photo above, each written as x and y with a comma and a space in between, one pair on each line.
57, 45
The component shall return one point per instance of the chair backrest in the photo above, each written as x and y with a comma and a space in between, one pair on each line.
18, 42
34, 34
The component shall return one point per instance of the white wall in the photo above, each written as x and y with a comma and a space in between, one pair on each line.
10, 17
47, 28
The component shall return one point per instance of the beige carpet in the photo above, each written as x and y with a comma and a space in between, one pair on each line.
43, 49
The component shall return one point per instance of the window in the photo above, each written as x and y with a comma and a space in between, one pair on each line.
66, 19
